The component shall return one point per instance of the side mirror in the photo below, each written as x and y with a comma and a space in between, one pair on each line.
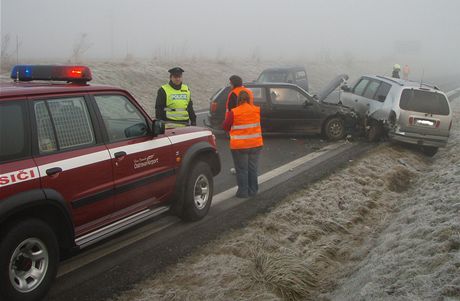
345, 88
158, 127
381, 98
307, 103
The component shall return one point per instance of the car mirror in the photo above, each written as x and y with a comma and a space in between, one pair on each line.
307, 103
345, 88
158, 127
381, 98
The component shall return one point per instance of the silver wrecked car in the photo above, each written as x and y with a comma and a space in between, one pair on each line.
408, 111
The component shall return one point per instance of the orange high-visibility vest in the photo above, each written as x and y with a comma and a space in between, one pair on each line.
237, 91
246, 131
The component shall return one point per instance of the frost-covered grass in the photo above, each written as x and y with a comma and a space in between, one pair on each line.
385, 227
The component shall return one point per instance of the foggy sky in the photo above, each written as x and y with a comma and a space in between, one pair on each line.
269, 28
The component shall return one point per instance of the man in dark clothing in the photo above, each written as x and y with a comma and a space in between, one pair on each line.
173, 101
236, 84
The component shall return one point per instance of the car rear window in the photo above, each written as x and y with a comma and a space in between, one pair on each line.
424, 102
14, 140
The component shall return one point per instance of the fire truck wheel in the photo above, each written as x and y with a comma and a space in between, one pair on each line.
29, 257
198, 192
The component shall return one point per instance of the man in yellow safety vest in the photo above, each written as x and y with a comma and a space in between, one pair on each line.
173, 101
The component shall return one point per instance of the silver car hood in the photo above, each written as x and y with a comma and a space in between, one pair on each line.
329, 88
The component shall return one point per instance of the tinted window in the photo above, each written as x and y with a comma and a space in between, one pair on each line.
63, 124
424, 102
14, 142
371, 89
287, 96
121, 118
259, 94
359, 88
382, 92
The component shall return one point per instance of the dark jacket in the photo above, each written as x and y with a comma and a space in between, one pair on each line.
160, 105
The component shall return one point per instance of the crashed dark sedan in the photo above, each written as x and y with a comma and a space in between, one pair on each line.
289, 108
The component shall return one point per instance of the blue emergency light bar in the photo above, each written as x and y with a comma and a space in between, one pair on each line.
51, 72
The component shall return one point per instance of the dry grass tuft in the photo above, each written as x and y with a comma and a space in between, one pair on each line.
399, 179
286, 274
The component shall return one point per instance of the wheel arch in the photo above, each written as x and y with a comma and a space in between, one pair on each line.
46, 205
201, 151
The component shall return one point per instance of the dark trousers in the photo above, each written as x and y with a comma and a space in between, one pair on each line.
246, 163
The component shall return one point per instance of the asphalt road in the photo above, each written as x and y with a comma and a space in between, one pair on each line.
120, 262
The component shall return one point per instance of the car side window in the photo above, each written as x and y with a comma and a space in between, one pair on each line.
63, 124
14, 138
121, 118
371, 89
360, 86
382, 92
300, 75
287, 96
259, 95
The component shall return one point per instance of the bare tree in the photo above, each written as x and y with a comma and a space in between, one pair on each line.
5, 55
80, 47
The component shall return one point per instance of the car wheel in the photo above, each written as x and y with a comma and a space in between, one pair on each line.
29, 257
429, 150
334, 129
198, 192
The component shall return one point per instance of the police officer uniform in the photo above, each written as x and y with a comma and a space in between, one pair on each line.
174, 102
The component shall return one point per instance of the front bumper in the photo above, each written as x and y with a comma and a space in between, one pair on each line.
419, 139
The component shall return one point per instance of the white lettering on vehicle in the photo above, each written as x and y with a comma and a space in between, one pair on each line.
18, 176
143, 162
28, 174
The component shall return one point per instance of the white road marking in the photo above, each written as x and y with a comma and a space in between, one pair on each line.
123, 241
218, 198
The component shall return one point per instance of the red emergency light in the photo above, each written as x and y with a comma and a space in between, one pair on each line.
80, 74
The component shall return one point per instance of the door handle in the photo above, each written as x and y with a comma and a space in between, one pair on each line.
53, 171
119, 154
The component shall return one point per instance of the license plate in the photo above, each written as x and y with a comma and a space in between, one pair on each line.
424, 122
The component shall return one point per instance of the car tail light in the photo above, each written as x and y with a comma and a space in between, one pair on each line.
438, 123
213, 106
411, 120
450, 125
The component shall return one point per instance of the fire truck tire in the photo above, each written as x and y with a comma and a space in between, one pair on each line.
198, 192
29, 258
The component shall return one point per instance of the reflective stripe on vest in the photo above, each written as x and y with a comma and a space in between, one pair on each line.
237, 91
246, 136
177, 102
245, 126
246, 131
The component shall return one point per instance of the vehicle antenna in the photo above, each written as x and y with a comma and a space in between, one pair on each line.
421, 80
17, 57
